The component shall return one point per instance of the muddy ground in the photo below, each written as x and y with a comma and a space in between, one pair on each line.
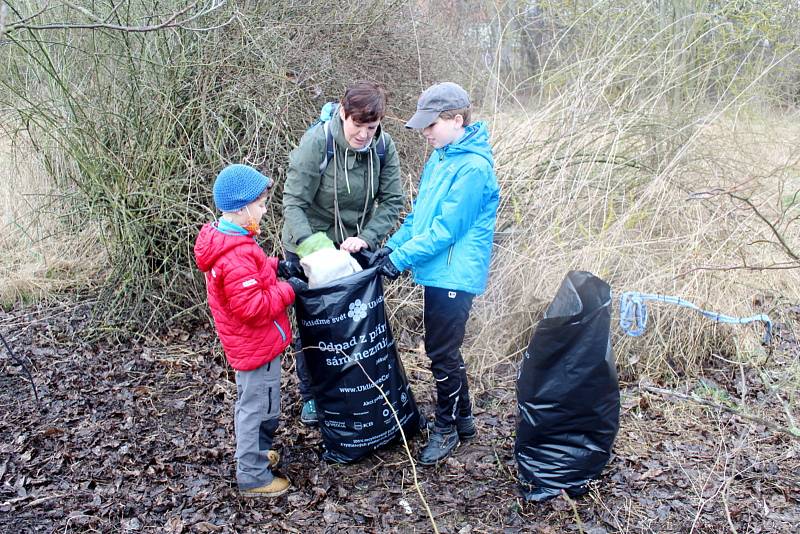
138, 437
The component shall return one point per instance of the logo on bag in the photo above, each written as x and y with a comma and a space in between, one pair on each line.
357, 310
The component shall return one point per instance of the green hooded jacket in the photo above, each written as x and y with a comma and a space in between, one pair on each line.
369, 200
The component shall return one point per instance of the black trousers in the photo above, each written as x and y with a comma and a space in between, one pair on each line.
303, 377
446, 314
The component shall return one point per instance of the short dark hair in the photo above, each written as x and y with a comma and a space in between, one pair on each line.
365, 101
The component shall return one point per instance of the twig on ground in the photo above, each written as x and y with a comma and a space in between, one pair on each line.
787, 408
791, 432
725, 505
405, 441
744, 382
405, 445
702, 490
21, 363
578, 520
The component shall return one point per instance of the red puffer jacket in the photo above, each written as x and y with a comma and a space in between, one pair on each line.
246, 299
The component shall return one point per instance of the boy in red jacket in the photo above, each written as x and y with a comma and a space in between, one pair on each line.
248, 304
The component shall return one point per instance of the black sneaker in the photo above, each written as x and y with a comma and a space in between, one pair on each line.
441, 443
308, 415
465, 425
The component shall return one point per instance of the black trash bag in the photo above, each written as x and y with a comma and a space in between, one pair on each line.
342, 325
567, 392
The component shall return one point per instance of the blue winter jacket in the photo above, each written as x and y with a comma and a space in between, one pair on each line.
446, 240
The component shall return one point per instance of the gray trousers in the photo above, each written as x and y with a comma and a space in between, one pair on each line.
258, 403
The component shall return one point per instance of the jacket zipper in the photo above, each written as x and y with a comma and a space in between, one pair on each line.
450, 254
283, 334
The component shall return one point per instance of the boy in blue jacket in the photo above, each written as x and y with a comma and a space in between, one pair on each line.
446, 241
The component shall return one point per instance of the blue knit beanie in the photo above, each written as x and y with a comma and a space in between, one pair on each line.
237, 186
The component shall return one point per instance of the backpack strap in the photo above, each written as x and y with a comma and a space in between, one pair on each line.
382, 149
326, 126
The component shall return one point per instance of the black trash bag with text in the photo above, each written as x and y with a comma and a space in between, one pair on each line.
346, 341
568, 393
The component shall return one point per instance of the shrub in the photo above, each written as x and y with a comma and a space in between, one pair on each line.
146, 118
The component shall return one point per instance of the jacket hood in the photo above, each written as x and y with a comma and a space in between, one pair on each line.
211, 244
475, 141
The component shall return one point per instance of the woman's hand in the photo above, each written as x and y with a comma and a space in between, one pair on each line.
353, 244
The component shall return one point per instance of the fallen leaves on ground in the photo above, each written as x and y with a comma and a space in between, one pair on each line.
138, 436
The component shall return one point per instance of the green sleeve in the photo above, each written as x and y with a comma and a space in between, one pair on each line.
389, 197
302, 182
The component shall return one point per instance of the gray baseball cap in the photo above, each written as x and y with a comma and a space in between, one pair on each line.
435, 99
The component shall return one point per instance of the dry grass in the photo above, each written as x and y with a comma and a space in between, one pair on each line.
673, 230
41, 254
648, 161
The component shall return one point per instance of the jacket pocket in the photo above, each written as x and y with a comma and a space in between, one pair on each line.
283, 334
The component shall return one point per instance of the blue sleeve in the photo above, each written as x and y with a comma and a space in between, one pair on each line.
460, 208
403, 233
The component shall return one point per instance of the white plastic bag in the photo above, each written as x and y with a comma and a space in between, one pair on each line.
328, 264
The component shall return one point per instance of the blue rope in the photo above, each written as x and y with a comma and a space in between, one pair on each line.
633, 313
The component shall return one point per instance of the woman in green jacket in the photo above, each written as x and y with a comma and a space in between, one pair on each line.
344, 180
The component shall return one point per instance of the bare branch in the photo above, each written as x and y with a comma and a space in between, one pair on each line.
25, 20
3, 12
771, 226
173, 21
771, 267
83, 10
214, 6
209, 28
113, 10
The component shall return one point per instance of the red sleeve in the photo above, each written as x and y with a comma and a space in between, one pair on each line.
249, 296
287, 291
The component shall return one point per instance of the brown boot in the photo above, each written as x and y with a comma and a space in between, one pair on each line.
278, 486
